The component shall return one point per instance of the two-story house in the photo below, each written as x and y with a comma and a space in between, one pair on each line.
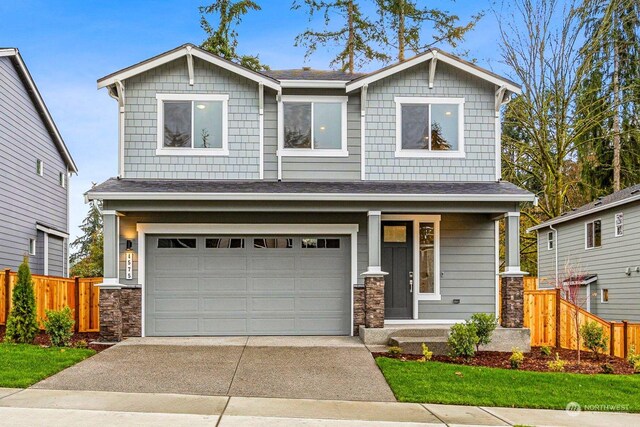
302, 202
34, 178
596, 248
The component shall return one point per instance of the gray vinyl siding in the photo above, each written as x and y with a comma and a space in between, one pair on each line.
26, 197
479, 126
57, 259
609, 261
140, 159
467, 268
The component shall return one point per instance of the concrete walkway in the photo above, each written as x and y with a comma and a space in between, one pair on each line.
35, 407
332, 368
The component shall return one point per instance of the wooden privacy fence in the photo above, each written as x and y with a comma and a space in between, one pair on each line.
54, 293
552, 322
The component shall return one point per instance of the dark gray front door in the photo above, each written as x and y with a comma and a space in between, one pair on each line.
397, 260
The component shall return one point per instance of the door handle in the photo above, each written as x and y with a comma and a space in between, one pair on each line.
411, 281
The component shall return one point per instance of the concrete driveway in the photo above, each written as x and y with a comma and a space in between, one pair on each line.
330, 368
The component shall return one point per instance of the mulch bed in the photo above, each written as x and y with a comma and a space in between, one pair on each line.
533, 361
42, 339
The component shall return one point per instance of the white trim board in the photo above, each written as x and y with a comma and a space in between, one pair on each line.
296, 229
52, 231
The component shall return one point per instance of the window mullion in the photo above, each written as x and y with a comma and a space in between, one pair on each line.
193, 114
312, 124
429, 125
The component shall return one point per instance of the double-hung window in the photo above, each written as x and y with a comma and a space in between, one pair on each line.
192, 124
593, 234
619, 224
550, 240
313, 126
429, 127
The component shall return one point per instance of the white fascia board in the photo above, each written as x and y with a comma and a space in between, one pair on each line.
311, 197
569, 217
426, 57
8, 52
48, 230
314, 84
168, 57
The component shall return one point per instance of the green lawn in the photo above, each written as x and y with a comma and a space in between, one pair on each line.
22, 365
435, 382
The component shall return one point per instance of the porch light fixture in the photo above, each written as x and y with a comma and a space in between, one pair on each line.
129, 245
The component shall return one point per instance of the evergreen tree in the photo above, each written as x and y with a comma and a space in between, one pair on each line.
404, 20
223, 40
87, 260
356, 34
22, 324
612, 52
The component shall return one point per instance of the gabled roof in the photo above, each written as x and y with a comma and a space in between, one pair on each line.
182, 51
308, 78
439, 55
166, 189
622, 197
38, 102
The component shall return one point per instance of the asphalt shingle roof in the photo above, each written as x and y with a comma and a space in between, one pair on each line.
310, 74
115, 185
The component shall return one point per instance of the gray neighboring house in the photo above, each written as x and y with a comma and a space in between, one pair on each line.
34, 181
304, 202
600, 241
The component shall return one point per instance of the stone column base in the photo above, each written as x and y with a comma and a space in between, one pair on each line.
512, 289
358, 308
110, 315
374, 301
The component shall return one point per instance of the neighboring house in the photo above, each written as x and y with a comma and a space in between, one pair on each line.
261, 203
34, 179
596, 247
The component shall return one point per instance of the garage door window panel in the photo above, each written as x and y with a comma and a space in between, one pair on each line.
324, 243
273, 243
224, 243
176, 243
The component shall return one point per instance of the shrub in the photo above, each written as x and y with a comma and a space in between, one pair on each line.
556, 365
632, 357
394, 350
516, 358
426, 353
594, 338
607, 368
59, 326
636, 366
462, 340
81, 344
485, 324
545, 350
22, 324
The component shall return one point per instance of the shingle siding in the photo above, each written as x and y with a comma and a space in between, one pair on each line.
26, 197
609, 261
140, 145
479, 126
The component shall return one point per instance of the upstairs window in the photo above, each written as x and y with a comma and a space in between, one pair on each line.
550, 240
62, 179
313, 126
192, 125
32, 246
429, 127
619, 224
593, 234
40, 167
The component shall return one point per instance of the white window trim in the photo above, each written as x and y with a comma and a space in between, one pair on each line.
602, 301
594, 234
41, 163
552, 241
189, 151
417, 219
32, 246
415, 153
615, 225
62, 179
312, 152
234, 229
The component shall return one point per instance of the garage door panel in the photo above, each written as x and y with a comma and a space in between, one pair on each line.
248, 291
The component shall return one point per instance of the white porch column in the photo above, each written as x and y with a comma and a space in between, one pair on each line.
111, 248
374, 241
512, 283
512, 242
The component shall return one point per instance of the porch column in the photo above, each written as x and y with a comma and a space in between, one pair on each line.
110, 288
374, 276
512, 283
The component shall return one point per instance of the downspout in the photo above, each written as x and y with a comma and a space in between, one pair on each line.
555, 246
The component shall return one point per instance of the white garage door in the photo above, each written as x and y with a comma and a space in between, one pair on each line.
247, 285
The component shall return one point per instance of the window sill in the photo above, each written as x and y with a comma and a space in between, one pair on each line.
429, 297
430, 154
191, 152
307, 152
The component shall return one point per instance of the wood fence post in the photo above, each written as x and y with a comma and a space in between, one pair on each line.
558, 327
76, 311
625, 325
612, 333
7, 291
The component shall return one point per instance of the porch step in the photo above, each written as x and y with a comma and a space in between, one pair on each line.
421, 332
413, 345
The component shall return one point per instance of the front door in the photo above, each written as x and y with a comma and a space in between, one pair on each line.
397, 260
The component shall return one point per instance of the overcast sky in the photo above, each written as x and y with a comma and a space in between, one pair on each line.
68, 45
